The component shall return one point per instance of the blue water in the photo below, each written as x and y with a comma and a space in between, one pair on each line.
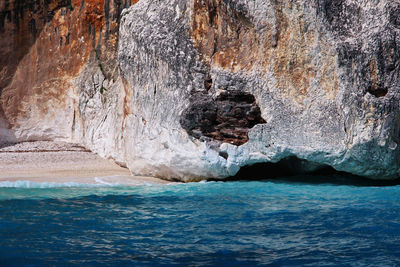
199, 224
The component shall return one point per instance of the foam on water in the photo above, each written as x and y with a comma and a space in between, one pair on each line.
98, 182
30, 184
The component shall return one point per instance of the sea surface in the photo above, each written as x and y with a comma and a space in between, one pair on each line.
257, 223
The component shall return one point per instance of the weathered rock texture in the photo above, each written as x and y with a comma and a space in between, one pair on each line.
201, 88
324, 74
228, 118
58, 64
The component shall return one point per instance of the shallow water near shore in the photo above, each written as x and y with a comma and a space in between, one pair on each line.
214, 223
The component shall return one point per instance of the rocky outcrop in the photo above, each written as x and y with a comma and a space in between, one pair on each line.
58, 61
199, 89
323, 74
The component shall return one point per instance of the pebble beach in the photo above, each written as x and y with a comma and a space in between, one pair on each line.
59, 162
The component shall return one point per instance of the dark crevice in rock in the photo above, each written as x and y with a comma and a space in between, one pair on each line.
395, 17
107, 17
208, 84
296, 170
213, 14
224, 154
378, 92
227, 118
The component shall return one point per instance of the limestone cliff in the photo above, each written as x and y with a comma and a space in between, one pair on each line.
192, 89
58, 64
317, 80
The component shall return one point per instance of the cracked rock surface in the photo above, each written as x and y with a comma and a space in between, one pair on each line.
323, 74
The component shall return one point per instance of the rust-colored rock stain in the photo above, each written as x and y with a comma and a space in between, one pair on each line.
43, 50
224, 39
227, 39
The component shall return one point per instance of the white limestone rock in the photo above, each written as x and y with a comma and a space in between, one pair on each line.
325, 76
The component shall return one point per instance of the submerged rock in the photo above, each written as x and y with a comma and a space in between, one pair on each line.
198, 89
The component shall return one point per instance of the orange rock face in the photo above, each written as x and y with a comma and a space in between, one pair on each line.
227, 39
44, 45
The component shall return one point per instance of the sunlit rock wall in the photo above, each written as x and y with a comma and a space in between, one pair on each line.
215, 85
193, 89
59, 77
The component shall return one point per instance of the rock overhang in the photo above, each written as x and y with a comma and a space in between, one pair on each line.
295, 60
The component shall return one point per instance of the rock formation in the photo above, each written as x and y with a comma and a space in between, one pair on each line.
324, 74
58, 64
201, 88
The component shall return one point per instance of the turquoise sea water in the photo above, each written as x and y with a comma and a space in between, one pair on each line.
199, 224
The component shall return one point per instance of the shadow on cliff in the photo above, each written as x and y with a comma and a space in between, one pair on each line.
21, 22
4, 145
294, 170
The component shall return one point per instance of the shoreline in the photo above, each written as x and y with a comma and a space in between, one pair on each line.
59, 162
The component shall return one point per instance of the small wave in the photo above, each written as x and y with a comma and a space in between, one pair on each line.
102, 182
29, 184
106, 181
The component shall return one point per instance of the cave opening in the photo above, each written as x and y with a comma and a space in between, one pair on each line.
295, 170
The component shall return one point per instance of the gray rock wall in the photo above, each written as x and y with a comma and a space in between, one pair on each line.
324, 75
